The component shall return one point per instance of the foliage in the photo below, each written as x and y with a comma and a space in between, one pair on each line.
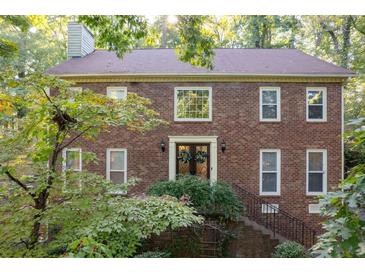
119, 33
31, 151
290, 249
196, 46
217, 199
38, 47
184, 247
119, 233
153, 254
9, 48
344, 235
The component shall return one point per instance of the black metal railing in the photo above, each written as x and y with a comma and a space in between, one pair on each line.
275, 219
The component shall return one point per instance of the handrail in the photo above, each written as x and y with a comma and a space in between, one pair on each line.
278, 221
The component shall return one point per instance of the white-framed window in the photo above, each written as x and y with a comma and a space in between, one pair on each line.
117, 93
72, 159
314, 208
75, 89
270, 172
269, 208
316, 104
193, 104
270, 104
316, 171
71, 162
116, 165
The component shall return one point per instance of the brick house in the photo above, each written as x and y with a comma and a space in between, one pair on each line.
268, 120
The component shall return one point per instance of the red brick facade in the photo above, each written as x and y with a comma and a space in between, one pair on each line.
236, 120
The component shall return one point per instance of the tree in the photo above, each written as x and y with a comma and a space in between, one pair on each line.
344, 235
18, 23
50, 124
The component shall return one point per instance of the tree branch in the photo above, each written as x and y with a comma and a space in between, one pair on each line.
75, 138
356, 26
19, 183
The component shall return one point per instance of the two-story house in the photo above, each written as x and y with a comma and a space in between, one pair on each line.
269, 120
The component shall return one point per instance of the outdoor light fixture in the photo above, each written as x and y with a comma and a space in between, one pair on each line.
223, 146
162, 145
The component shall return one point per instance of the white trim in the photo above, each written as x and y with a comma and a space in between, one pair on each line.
210, 104
64, 158
278, 104
267, 208
116, 88
324, 172
206, 74
108, 170
324, 104
314, 208
278, 173
342, 132
212, 140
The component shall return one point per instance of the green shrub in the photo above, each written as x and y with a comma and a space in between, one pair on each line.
153, 254
290, 249
213, 200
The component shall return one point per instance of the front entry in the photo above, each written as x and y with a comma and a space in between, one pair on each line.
198, 156
193, 159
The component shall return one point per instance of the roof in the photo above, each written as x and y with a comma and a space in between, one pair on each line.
226, 61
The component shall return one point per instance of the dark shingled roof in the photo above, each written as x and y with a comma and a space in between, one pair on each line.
226, 61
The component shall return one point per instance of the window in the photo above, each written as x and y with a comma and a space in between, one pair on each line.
316, 171
316, 104
116, 165
72, 159
193, 104
74, 91
270, 208
72, 162
117, 93
270, 172
270, 104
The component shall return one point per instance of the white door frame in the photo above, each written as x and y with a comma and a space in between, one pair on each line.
212, 140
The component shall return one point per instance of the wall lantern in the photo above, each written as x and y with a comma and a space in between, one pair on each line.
223, 146
162, 145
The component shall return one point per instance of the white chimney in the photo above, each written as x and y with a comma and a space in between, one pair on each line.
80, 41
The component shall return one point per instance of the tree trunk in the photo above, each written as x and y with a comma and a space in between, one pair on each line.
40, 204
346, 31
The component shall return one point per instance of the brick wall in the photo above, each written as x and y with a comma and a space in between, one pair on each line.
236, 120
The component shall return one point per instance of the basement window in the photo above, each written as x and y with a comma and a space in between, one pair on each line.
117, 93
316, 172
316, 104
269, 208
193, 104
270, 172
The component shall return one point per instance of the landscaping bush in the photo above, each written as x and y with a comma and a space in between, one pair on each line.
153, 254
290, 249
217, 200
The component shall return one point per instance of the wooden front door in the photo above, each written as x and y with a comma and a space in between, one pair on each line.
193, 159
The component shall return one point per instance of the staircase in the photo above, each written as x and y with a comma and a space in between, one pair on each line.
278, 223
250, 242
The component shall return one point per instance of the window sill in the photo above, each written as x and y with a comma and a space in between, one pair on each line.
270, 194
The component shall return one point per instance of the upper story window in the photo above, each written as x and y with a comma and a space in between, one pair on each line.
316, 104
116, 165
270, 104
116, 92
316, 171
72, 159
270, 172
193, 104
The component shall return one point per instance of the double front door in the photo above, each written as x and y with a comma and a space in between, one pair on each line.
193, 159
